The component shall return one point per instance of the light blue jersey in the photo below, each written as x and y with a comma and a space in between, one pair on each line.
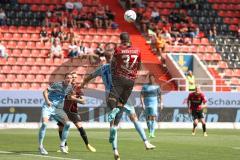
151, 95
105, 72
56, 94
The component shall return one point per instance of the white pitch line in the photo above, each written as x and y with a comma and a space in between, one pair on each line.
42, 156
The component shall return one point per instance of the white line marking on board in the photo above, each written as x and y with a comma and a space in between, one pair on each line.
42, 156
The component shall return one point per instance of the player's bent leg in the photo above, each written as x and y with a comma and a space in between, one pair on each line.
83, 134
113, 132
60, 129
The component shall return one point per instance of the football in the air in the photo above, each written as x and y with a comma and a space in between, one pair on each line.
130, 16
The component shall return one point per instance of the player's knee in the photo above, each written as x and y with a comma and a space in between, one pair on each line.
78, 125
111, 102
67, 125
133, 117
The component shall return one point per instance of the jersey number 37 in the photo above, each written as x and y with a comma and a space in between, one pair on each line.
129, 61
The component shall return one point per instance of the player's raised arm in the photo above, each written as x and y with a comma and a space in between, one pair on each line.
91, 76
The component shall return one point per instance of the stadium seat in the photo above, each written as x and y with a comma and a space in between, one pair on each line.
11, 77
2, 78
6, 86
25, 86
6, 69
15, 69
40, 78
15, 86
35, 86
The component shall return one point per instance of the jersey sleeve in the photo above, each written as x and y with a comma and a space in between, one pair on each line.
96, 73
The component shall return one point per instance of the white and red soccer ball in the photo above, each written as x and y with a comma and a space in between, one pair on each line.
130, 16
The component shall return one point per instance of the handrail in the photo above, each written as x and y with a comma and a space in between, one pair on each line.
182, 86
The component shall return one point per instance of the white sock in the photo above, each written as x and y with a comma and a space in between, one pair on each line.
115, 151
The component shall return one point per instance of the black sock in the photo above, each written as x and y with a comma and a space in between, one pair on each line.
60, 136
83, 135
204, 127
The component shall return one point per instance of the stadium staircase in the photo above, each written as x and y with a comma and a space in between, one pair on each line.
149, 59
201, 45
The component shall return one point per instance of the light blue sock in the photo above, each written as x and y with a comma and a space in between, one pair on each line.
140, 130
42, 132
65, 133
153, 127
149, 125
114, 143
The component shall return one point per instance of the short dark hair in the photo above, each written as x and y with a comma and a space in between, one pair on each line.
67, 74
124, 37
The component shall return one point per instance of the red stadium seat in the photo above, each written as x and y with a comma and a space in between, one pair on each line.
40, 78
39, 61
26, 37
25, 69
16, 36
30, 78
20, 61
5, 85
11, 61
235, 81
35, 86
16, 69
2, 78
11, 78
222, 64
16, 52
34, 70
15, 85
25, 86
6, 69
228, 73
26, 53
30, 61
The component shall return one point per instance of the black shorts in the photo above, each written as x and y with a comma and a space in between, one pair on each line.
72, 116
197, 114
121, 89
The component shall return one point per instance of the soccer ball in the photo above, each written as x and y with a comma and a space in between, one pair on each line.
130, 16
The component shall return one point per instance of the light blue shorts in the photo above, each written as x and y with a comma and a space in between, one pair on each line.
128, 109
57, 113
151, 111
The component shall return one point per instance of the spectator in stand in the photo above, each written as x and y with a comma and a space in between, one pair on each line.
174, 17
167, 36
100, 51
3, 52
129, 4
62, 34
100, 17
70, 35
78, 5
69, 5
183, 28
56, 49
212, 33
55, 34
183, 17
2, 17
160, 43
155, 16
73, 49
175, 31
54, 20
144, 23
44, 34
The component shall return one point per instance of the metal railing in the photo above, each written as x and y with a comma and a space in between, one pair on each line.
205, 84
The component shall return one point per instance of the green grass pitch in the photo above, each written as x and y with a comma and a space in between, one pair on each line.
172, 144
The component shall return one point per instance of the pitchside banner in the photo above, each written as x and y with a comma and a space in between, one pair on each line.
25, 106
